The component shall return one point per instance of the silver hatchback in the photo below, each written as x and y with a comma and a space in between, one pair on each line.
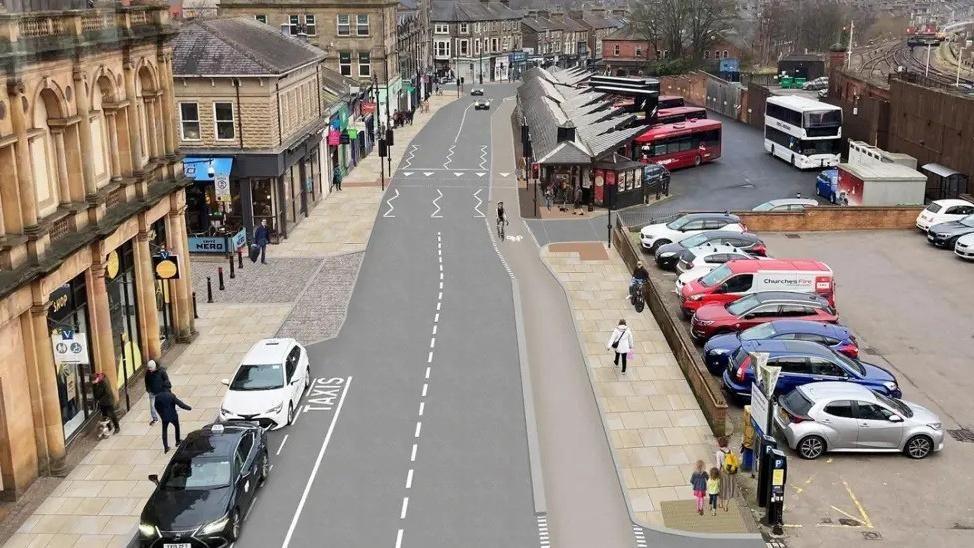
840, 416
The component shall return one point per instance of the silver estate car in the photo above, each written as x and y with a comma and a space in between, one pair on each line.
841, 416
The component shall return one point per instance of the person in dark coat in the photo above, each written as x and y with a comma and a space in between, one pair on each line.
105, 399
262, 237
156, 380
166, 403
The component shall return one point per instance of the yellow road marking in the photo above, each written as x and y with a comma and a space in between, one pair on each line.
846, 514
862, 511
838, 525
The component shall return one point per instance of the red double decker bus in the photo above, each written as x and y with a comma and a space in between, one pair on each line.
671, 101
676, 115
684, 144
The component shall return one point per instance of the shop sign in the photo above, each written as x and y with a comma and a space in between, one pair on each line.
334, 137
222, 183
216, 244
165, 266
352, 134
345, 138
368, 107
70, 347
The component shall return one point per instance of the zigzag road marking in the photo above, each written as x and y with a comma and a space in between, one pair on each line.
412, 155
388, 214
476, 208
449, 156
436, 214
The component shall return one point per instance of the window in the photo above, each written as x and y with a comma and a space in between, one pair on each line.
493, 44
616, 50
344, 25
506, 43
476, 27
441, 28
293, 22
825, 368
840, 408
442, 48
223, 117
364, 64
795, 365
639, 52
189, 118
310, 25
291, 365
739, 283
463, 47
476, 44
706, 54
464, 28
795, 310
873, 412
243, 451
362, 25
345, 63
725, 54
261, 18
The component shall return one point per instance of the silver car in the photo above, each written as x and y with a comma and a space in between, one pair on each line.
841, 416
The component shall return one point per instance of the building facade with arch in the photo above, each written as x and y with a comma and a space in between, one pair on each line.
91, 197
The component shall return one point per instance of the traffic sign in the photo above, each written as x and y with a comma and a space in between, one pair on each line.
222, 183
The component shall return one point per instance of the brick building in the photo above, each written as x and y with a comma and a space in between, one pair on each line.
91, 195
625, 53
474, 38
253, 110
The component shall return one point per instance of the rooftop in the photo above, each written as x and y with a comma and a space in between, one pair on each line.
471, 11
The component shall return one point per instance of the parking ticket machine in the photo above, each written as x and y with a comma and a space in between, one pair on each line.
776, 477
767, 444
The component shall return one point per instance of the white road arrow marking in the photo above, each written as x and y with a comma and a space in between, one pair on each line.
436, 214
505, 173
480, 174
476, 208
458, 174
388, 214
517, 238
407, 173
427, 173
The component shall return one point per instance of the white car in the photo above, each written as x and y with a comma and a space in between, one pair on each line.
691, 275
709, 254
655, 235
481, 104
268, 384
965, 247
787, 204
943, 211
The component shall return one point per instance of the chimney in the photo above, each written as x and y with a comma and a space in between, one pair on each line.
837, 57
576, 14
544, 13
566, 132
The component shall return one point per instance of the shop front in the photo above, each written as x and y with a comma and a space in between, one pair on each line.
618, 182
159, 244
120, 281
211, 220
70, 327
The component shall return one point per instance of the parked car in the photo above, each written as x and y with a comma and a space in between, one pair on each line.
656, 176
207, 488
656, 235
943, 211
720, 347
757, 308
827, 185
477, 91
965, 247
820, 83
737, 278
693, 275
946, 234
841, 416
804, 362
709, 254
481, 104
786, 204
268, 384
668, 255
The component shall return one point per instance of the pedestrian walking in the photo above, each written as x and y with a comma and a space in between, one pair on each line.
698, 482
102, 393
156, 381
336, 178
621, 343
549, 197
713, 489
166, 403
578, 202
729, 464
262, 237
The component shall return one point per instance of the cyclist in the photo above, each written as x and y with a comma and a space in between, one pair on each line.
639, 276
500, 213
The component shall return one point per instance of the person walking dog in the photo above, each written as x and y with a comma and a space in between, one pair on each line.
156, 381
106, 400
166, 403
621, 343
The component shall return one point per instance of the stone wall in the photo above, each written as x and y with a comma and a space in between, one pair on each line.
832, 218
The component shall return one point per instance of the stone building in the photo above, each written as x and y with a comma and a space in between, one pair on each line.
252, 111
91, 206
357, 37
475, 39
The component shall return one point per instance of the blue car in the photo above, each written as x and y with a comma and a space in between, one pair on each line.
803, 362
827, 185
719, 348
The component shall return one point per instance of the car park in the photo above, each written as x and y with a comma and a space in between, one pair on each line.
803, 362
943, 211
477, 91
820, 83
841, 416
481, 104
655, 235
708, 255
786, 204
268, 384
965, 247
206, 489
946, 234
668, 255
737, 278
757, 308
720, 347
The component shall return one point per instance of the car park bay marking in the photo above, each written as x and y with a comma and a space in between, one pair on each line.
862, 511
281, 448
346, 382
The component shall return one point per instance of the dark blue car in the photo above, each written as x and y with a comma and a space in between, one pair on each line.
827, 185
719, 348
803, 362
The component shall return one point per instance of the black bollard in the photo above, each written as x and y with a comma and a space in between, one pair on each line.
232, 275
209, 290
240, 259
219, 272
196, 314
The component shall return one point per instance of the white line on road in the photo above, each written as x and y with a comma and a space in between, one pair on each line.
436, 214
440, 297
388, 214
412, 457
441, 285
279, 449
419, 428
428, 372
314, 470
478, 214
429, 359
432, 342
436, 318
441, 274
422, 407
409, 479
438, 306
441, 267
405, 505
441, 258
399, 539
297, 415
249, 510
462, 120
425, 388
434, 330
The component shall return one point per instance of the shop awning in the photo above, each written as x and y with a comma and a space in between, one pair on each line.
206, 169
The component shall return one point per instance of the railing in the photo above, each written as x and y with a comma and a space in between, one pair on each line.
139, 18
115, 198
61, 228
91, 22
41, 25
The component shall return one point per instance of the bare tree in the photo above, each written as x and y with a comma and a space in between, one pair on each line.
681, 26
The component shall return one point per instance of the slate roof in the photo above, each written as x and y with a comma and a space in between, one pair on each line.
464, 11
595, 21
237, 47
624, 33
568, 24
538, 24
551, 98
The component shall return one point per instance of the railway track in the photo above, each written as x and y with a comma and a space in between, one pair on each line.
914, 60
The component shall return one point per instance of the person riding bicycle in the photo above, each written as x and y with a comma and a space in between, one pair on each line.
501, 217
639, 276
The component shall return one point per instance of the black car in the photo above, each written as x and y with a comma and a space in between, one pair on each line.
206, 489
669, 254
946, 234
477, 91
656, 178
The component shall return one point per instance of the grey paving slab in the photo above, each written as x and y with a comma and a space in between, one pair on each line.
278, 281
319, 312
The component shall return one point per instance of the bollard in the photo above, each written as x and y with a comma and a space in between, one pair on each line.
232, 276
240, 259
209, 290
219, 272
196, 314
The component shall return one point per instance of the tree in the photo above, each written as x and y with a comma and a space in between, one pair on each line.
681, 26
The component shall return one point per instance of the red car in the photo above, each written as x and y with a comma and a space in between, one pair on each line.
758, 308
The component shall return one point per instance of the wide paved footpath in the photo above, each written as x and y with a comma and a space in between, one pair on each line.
414, 434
